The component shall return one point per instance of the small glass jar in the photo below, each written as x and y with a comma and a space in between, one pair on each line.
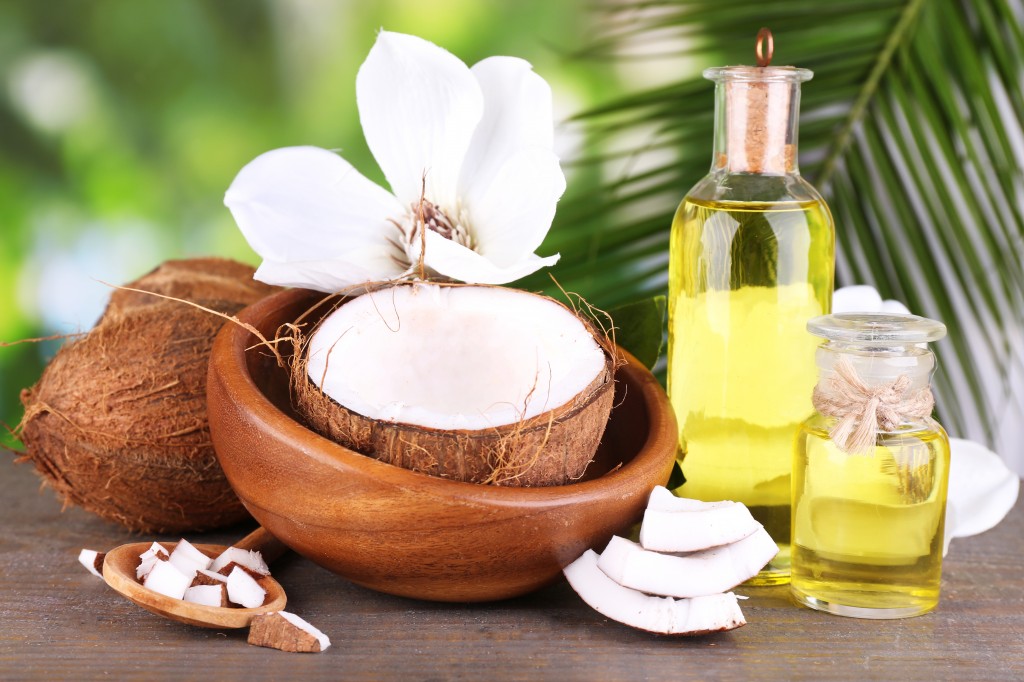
870, 471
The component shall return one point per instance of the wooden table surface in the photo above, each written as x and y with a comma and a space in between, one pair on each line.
59, 622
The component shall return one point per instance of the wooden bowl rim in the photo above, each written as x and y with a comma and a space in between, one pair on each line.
228, 363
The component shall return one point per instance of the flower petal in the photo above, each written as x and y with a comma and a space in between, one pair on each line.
982, 490
517, 115
892, 306
456, 261
856, 299
418, 105
342, 275
511, 179
306, 204
511, 216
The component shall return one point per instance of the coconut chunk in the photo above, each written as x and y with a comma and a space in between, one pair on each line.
662, 499
206, 577
187, 559
167, 580
149, 558
207, 595
287, 632
244, 590
689, 531
688, 575
662, 615
251, 560
93, 561
526, 355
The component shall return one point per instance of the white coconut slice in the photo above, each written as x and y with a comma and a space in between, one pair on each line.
689, 575
207, 595
244, 590
149, 558
187, 559
93, 561
709, 525
662, 499
167, 580
453, 357
243, 557
662, 615
287, 632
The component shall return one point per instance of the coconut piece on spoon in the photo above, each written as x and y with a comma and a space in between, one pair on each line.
244, 590
287, 632
187, 559
662, 615
166, 579
207, 595
149, 558
693, 525
242, 557
690, 575
207, 577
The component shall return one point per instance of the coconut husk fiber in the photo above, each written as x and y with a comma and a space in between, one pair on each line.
117, 422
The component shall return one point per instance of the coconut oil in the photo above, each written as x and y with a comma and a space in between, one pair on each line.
751, 261
868, 525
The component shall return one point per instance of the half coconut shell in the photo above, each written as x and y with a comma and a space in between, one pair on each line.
552, 448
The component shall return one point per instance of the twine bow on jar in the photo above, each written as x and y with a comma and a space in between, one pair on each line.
863, 410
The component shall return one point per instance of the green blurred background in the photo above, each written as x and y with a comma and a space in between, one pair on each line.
122, 122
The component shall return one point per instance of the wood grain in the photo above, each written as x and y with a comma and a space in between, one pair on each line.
58, 622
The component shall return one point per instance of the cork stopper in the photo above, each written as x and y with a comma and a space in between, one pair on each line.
761, 108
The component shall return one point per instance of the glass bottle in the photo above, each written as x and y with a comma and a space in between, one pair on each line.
752, 257
868, 517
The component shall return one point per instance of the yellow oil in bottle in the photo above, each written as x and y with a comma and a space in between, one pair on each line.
868, 529
744, 279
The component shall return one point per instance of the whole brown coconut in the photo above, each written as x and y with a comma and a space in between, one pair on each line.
117, 423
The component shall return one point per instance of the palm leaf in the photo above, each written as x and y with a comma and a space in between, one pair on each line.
913, 129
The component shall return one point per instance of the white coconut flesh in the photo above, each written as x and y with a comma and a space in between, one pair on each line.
690, 575
655, 614
673, 524
453, 357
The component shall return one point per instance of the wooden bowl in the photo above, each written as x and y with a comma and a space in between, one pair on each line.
406, 533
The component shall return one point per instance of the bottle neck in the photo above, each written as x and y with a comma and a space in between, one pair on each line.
756, 121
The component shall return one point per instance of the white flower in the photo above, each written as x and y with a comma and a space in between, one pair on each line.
862, 298
982, 490
474, 144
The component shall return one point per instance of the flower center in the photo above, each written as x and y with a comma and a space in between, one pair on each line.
437, 221
427, 213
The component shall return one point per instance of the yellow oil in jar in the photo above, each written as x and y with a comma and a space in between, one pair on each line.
744, 279
868, 529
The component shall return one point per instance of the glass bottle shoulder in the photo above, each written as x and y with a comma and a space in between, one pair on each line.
719, 187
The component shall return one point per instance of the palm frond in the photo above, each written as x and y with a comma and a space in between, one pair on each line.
913, 129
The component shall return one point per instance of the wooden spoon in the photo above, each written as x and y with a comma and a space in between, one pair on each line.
119, 571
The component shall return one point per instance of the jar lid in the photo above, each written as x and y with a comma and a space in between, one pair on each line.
873, 328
